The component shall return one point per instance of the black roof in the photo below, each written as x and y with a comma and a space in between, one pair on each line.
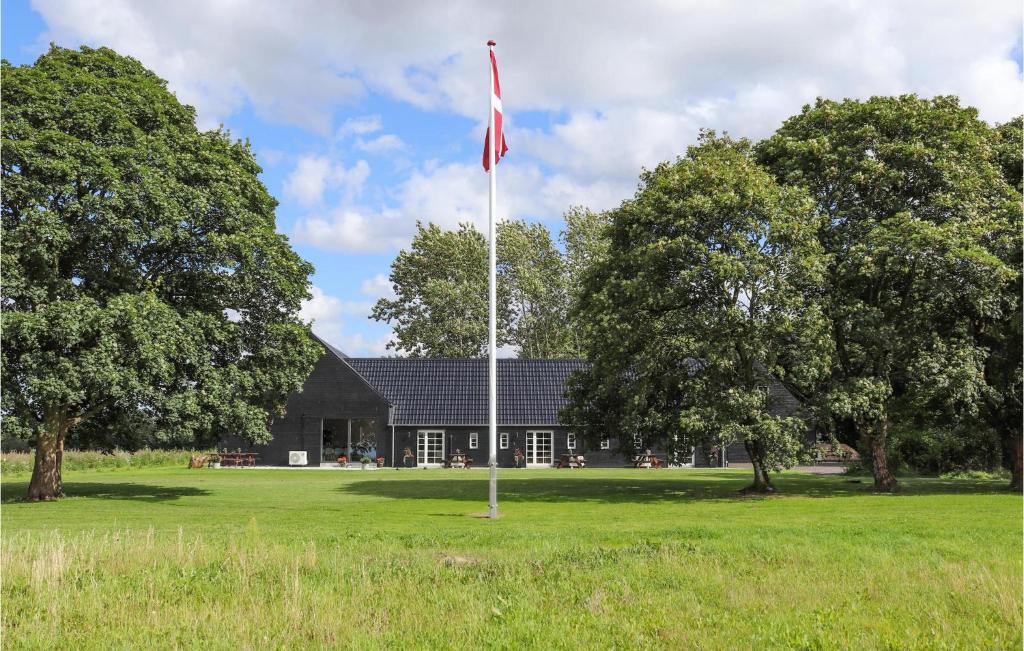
329, 347
454, 391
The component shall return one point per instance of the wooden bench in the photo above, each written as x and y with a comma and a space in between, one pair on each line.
461, 459
572, 461
647, 461
238, 459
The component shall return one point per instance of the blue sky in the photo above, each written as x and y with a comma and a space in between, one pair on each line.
366, 119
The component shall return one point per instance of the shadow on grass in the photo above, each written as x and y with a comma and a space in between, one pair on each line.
112, 491
677, 487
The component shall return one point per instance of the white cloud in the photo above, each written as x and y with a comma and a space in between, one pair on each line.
631, 82
454, 193
319, 306
378, 286
297, 61
313, 175
322, 307
358, 126
359, 345
381, 144
616, 144
349, 230
269, 157
328, 316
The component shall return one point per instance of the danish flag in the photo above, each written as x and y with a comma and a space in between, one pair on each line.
500, 146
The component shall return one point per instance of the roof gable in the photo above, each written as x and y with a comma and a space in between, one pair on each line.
336, 351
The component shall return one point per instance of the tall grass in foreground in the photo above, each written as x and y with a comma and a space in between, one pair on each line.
672, 559
15, 463
143, 589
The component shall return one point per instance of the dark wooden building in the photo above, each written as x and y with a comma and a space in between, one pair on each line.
378, 407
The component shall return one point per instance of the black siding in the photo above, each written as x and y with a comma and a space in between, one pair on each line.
333, 390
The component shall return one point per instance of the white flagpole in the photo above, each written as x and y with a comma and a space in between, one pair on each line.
492, 319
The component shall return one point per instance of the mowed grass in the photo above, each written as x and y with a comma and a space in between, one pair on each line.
236, 558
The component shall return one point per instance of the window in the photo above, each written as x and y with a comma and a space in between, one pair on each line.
570, 441
474, 440
503, 440
766, 390
606, 444
540, 448
429, 447
637, 441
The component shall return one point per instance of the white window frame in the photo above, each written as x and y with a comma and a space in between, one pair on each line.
570, 441
536, 436
503, 440
606, 444
638, 441
765, 389
420, 449
474, 440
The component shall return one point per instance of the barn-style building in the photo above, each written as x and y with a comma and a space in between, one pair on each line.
378, 407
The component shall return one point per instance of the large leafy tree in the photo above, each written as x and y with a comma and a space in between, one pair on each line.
440, 304
708, 282
1009, 140
440, 283
912, 199
142, 268
533, 272
585, 241
1001, 337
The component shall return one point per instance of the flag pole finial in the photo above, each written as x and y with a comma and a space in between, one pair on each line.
491, 43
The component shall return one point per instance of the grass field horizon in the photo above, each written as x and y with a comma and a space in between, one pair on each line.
161, 558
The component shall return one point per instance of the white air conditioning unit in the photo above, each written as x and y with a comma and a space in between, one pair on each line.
297, 458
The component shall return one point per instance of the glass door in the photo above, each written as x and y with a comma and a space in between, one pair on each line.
429, 448
539, 448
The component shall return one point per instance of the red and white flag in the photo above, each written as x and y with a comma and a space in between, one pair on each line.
500, 146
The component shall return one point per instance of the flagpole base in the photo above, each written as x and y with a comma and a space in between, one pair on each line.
492, 502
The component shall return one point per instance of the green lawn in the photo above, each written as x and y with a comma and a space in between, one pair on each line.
597, 558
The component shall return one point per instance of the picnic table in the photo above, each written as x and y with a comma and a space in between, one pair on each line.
458, 460
647, 460
237, 458
572, 461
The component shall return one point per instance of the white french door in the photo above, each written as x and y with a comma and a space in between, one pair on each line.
429, 448
539, 448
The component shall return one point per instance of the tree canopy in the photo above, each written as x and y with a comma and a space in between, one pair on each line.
913, 199
1001, 336
708, 283
142, 267
534, 273
440, 304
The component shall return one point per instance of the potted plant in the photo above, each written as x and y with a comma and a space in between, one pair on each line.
342, 459
519, 458
215, 460
366, 461
380, 461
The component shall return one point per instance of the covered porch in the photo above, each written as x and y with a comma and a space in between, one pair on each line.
346, 441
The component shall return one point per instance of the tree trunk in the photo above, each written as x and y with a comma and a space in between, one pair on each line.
46, 481
762, 481
1017, 463
876, 434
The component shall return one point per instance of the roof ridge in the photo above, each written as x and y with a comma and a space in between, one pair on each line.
323, 342
464, 359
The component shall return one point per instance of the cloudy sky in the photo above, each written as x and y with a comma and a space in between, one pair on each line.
367, 116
